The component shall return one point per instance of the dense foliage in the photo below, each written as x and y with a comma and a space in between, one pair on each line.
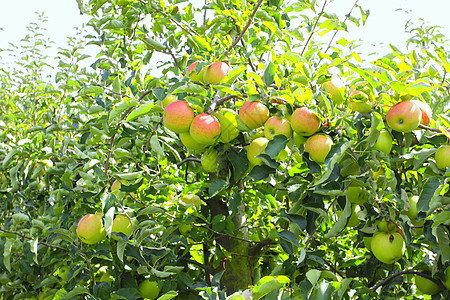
288, 223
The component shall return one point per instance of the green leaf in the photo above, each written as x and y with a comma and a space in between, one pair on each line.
76, 291
275, 146
156, 146
144, 109
8, 158
342, 221
168, 295
419, 88
427, 194
227, 90
289, 236
216, 187
121, 245
444, 243
261, 172
239, 161
297, 219
7, 253
269, 73
150, 210
191, 88
151, 44
114, 24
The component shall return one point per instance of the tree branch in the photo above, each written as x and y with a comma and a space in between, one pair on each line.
31, 238
253, 251
218, 101
383, 282
432, 129
194, 262
188, 159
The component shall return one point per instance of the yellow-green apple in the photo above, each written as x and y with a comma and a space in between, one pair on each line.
253, 114
304, 121
388, 248
318, 146
209, 161
90, 229
205, 129
256, 147
404, 116
192, 199
192, 72
168, 99
276, 125
190, 143
447, 278
149, 289
359, 102
426, 112
442, 157
357, 194
335, 93
121, 224
426, 286
178, 116
228, 124
367, 242
384, 142
216, 72
383, 227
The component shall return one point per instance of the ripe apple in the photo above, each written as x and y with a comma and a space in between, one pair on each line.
335, 93
228, 124
209, 161
190, 143
178, 116
388, 248
442, 157
192, 72
318, 146
426, 286
149, 289
384, 142
426, 112
121, 224
192, 199
90, 229
276, 125
216, 72
253, 114
255, 148
359, 102
356, 194
205, 129
168, 99
304, 121
404, 116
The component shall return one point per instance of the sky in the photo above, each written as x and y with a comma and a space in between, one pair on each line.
385, 24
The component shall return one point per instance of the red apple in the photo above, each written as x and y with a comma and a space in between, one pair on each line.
205, 129
426, 112
304, 121
253, 114
318, 146
216, 72
404, 116
192, 72
178, 116
277, 126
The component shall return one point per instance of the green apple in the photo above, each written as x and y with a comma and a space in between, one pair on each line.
205, 129
298, 140
276, 125
404, 116
122, 224
318, 146
426, 286
90, 229
384, 142
442, 157
192, 199
253, 114
356, 194
192, 72
178, 116
149, 289
168, 99
305, 122
382, 226
359, 102
256, 147
426, 112
209, 161
216, 72
388, 248
367, 242
190, 143
228, 124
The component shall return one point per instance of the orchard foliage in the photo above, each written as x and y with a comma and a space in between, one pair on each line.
91, 139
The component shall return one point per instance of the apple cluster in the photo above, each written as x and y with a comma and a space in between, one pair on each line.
90, 228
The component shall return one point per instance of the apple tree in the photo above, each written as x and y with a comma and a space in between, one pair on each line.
225, 147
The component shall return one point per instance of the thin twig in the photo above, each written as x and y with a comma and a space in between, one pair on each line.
186, 29
31, 238
112, 91
314, 28
383, 282
188, 159
194, 262
433, 129
217, 102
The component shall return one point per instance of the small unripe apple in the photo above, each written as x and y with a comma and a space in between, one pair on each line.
277, 126
168, 99
253, 114
178, 116
192, 199
298, 140
318, 146
426, 112
404, 116
209, 161
216, 72
384, 142
205, 129
304, 121
426, 286
121, 224
383, 227
442, 157
228, 124
190, 143
192, 72
388, 248
149, 289
359, 102
90, 229
256, 147
356, 194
